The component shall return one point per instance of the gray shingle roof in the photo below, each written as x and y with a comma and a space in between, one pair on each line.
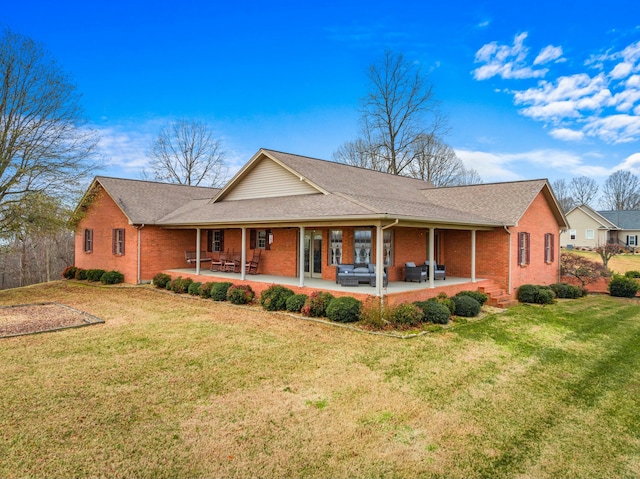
144, 202
627, 220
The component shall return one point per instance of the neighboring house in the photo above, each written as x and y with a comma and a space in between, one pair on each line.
590, 228
306, 216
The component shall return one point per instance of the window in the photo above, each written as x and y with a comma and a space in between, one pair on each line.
549, 247
362, 246
632, 240
215, 241
572, 234
88, 241
118, 241
589, 234
524, 241
387, 251
260, 239
335, 247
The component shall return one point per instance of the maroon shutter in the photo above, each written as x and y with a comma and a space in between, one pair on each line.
114, 239
122, 251
221, 240
267, 245
528, 248
209, 241
252, 239
553, 247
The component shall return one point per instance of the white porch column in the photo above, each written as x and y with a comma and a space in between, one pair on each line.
197, 250
473, 256
432, 266
379, 261
301, 255
243, 255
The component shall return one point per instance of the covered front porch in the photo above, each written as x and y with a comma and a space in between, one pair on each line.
395, 292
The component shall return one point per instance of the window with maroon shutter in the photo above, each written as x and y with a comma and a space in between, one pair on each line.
549, 248
524, 250
215, 241
88, 241
117, 245
259, 239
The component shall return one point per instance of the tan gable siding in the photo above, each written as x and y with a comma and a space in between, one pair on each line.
581, 222
267, 180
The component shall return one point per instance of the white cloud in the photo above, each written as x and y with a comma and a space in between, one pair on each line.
548, 54
621, 70
614, 128
566, 134
631, 163
506, 61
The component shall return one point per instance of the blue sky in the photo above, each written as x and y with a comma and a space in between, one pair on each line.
538, 89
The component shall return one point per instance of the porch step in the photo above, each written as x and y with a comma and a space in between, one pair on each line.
497, 296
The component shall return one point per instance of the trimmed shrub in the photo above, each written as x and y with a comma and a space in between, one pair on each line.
181, 285
477, 295
444, 301
344, 309
434, 311
274, 298
160, 280
564, 290
466, 306
112, 277
406, 314
205, 290
632, 274
316, 304
81, 274
623, 287
295, 302
240, 294
219, 290
69, 272
95, 274
373, 315
194, 288
531, 293
169, 286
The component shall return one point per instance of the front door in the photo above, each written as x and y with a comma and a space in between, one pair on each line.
313, 254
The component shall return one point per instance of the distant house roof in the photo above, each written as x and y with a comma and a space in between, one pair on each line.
331, 191
626, 220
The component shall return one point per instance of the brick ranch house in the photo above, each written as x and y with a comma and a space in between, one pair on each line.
306, 216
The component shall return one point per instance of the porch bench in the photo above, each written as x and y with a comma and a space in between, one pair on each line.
191, 257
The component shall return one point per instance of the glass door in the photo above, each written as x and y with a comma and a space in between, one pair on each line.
313, 254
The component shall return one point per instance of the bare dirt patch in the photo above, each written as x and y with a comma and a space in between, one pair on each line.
41, 317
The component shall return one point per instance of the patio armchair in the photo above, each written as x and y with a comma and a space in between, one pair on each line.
251, 267
414, 273
217, 264
439, 271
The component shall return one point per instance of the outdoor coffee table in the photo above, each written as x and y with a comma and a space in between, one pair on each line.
349, 281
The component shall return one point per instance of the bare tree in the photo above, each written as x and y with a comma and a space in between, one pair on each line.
44, 141
608, 251
186, 152
561, 191
581, 268
437, 162
622, 191
583, 190
399, 109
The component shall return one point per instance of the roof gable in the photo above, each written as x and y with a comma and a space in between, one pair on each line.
593, 215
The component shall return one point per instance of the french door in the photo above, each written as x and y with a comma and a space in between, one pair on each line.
313, 254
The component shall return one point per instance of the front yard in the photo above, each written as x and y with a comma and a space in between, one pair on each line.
172, 386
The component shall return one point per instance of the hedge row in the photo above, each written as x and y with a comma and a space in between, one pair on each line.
94, 275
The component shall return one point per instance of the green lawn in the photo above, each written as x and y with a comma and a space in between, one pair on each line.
172, 386
618, 264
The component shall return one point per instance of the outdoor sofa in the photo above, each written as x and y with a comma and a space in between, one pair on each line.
354, 274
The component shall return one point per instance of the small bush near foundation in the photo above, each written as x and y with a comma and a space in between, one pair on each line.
623, 287
219, 290
466, 306
194, 288
296, 302
69, 272
274, 298
531, 293
477, 295
434, 311
344, 309
168, 287
95, 274
160, 280
406, 314
316, 304
112, 277
373, 315
81, 274
205, 290
444, 301
632, 274
564, 290
240, 294
180, 285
